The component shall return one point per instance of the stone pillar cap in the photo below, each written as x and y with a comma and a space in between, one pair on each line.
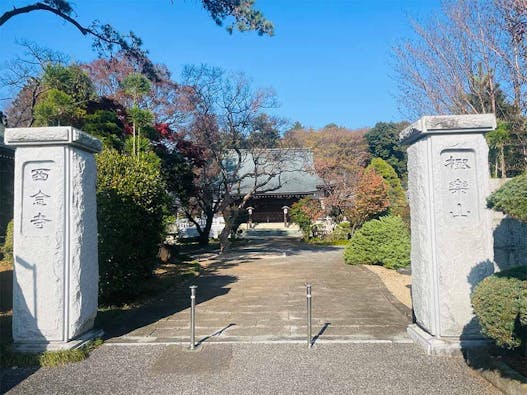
444, 124
59, 135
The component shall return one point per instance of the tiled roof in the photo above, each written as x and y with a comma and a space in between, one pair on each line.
292, 171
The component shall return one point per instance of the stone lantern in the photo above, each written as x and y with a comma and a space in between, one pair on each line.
285, 209
250, 211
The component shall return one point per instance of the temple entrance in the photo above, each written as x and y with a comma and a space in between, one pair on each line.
269, 208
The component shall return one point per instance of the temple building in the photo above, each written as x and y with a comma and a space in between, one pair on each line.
279, 178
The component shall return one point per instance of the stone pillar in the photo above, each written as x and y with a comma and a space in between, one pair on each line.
55, 237
448, 182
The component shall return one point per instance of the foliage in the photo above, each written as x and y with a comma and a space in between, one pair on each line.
342, 231
132, 207
304, 213
64, 93
69, 79
497, 140
500, 304
135, 85
384, 241
371, 198
396, 194
7, 249
266, 133
339, 157
246, 17
57, 108
511, 198
106, 39
11, 359
106, 126
383, 142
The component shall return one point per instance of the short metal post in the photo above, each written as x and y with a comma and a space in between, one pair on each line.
193, 316
308, 297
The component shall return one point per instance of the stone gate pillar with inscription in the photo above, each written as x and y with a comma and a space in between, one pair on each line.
448, 182
55, 237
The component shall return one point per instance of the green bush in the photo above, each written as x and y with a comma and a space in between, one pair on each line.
500, 304
341, 232
384, 241
304, 213
131, 212
7, 249
396, 194
511, 198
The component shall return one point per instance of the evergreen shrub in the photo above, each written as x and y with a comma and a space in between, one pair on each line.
131, 213
500, 304
341, 232
384, 241
511, 198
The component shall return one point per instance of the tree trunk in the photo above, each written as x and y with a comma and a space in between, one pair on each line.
230, 215
205, 232
502, 160
133, 138
224, 237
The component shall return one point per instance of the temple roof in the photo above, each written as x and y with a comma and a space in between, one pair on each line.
283, 171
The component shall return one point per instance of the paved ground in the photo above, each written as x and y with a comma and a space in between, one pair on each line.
251, 311
258, 294
255, 369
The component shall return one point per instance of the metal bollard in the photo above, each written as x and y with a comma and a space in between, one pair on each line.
308, 297
193, 316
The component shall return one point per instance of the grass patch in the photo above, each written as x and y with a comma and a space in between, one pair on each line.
13, 359
322, 242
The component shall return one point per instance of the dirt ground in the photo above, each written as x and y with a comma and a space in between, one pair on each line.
398, 284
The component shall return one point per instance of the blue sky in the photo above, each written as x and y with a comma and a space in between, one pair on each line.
329, 60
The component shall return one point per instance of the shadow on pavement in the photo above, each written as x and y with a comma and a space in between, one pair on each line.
120, 322
320, 333
10, 378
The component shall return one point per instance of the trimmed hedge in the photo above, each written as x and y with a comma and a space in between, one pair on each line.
131, 213
384, 241
511, 198
500, 304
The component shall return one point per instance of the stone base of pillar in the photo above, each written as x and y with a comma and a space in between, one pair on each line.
36, 347
445, 346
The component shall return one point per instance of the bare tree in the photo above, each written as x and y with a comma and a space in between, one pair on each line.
471, 58
472, 44
224, 113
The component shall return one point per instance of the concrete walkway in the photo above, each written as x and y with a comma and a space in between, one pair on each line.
257, 294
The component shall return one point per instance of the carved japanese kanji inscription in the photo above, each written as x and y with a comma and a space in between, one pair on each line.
38, 198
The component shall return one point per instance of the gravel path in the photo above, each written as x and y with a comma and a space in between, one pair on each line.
255, 369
